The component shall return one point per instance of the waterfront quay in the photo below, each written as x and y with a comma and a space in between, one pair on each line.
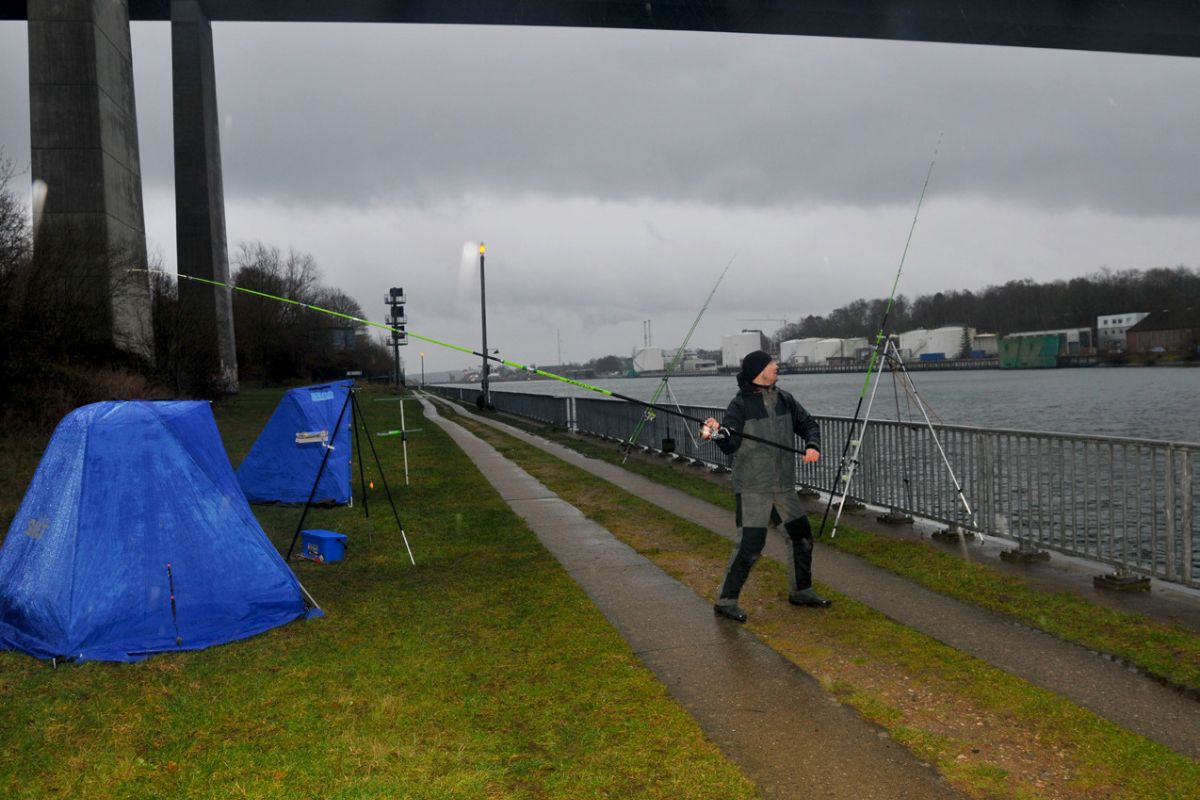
915, 365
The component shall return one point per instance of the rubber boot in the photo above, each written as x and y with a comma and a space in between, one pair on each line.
800, 591
745, 554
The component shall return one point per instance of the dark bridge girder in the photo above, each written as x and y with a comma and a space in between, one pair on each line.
1161, 27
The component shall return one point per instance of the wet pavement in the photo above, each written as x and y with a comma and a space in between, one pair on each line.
1094, 681
773, 720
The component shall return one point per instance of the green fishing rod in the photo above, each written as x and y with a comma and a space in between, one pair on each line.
847, 464
468, 351
649, 414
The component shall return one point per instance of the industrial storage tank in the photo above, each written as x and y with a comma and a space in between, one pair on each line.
948, 340
827, 349
913, 343
736, 346
985, 345
851, 346
648, 359
797, 351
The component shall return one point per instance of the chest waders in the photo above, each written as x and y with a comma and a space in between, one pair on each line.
759, 508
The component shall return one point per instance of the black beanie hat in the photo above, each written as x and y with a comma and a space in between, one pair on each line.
753, 364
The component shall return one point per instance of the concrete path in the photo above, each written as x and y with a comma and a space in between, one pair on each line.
771, 719
1088, 679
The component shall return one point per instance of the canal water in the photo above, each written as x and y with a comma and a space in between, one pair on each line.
1137, 402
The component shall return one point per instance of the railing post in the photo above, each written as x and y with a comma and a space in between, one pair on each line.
1169, 515
987, 480
1185, 522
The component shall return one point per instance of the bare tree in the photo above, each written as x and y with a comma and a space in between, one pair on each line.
14, 221
276, 341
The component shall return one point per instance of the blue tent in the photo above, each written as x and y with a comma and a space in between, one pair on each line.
123, 490
285, 459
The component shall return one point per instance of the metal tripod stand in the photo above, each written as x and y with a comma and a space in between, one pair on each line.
890, 355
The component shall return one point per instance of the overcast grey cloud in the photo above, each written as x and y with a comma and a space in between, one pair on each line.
614, 173
700, 117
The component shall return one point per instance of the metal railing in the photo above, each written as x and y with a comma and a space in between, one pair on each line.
538, 407
1129, 503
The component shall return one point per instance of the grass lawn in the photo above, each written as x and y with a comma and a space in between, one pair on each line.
483, 672
991, 734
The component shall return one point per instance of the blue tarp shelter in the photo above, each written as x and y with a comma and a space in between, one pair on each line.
285, 459
123, 490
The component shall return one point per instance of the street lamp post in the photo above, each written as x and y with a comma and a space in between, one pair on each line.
487, 399
422, 370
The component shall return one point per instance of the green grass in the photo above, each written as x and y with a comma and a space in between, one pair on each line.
1168, 652
990, 733
483, 672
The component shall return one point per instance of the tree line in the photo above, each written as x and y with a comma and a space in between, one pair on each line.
1019, 305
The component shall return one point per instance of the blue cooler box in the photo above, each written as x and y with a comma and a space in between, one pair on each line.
322, 546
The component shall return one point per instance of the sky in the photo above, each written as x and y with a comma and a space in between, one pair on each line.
614, 174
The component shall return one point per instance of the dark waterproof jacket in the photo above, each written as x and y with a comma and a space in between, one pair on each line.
774, 415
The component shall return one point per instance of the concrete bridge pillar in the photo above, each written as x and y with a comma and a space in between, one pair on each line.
199, 194
84, 148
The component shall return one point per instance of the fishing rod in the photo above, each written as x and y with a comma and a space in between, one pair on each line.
848, 462
648, 414
459, 348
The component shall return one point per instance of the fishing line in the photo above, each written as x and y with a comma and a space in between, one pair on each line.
468, 351
844, 469
649, 414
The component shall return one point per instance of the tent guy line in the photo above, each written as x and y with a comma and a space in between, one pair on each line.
459, 348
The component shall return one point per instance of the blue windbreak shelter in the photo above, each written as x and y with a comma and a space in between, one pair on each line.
286, 457
123, 490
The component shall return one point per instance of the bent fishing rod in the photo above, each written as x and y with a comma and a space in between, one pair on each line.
848, 461
648, 414
468, 351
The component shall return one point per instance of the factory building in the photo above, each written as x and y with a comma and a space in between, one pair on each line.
1068, 341
1111, 329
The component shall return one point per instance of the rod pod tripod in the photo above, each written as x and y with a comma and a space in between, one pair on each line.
356, 419
890, 355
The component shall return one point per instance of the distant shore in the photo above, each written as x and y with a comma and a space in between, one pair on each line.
946, 365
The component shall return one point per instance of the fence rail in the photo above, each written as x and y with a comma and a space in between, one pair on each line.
1129, 503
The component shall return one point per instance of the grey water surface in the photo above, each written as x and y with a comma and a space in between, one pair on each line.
1136, 402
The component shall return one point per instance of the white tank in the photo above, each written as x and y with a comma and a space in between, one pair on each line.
790, 352
736, 346
947, 341
913, 343
648, 359
801, 351
850, 347
826, 349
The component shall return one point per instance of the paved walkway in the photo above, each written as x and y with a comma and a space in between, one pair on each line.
1088, 679
773, 720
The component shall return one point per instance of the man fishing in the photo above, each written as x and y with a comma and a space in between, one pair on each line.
764, 480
